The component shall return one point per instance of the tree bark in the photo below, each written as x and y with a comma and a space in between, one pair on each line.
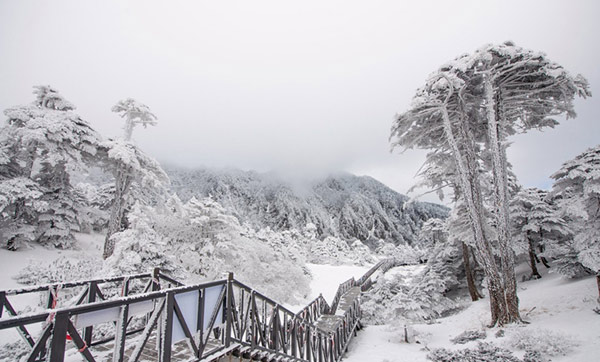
541, 247
475, 296
499, 166
532, 260
122, 183
471, 190
598, 282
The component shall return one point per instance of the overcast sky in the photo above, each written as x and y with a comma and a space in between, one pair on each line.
306, 87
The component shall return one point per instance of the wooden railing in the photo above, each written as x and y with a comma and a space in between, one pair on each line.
216, 318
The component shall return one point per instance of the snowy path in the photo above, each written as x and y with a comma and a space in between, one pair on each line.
326, 279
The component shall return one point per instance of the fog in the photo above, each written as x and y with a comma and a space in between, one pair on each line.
303, 88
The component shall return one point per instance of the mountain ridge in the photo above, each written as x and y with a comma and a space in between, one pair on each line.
341, 204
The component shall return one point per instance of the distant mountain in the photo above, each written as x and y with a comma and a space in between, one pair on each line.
342, 205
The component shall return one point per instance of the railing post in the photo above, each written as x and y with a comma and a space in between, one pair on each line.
228, 310
2, 299
155, 279
276, 328
91, 298
320, 347
59, 337
308, 347
252, 320
121, 334
167, 333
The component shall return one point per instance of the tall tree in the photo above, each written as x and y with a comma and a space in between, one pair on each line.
128, 165
467, 109
138, 177
45, 142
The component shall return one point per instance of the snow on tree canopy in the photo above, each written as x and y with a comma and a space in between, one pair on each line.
145, 169
134, 113
42, 144
467, 108
578, 181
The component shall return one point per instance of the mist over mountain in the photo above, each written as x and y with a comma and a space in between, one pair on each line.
343, 205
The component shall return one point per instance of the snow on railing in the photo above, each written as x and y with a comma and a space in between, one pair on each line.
220, 317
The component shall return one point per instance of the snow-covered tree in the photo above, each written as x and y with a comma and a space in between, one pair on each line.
130, 166
138, 177
460, 235
466, 110
538, 230
134, 113
93, 216
45, 142
198, 240
20, 205
578, 182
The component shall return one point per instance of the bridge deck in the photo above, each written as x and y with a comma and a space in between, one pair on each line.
329, 322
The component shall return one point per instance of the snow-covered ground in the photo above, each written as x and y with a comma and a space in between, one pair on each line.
555, 307
558, 310
13, 262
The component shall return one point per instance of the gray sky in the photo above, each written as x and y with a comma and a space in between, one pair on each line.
306, 86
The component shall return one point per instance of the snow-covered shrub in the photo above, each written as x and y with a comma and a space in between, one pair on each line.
199, 241
14, 351
485, 352
60, 270
468, 336
544, 341
420, 299
306, 246
534, 356
95, 200
404, 254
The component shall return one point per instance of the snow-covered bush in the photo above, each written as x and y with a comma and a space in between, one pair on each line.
468, 336
404, 254
542, 341
485, 352
397, 298
14, 351
199, 241
60, 270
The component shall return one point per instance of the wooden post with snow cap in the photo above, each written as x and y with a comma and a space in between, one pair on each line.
155, 279
228, 309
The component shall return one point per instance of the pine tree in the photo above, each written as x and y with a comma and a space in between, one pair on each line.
578, 182
466, 110
44, 142
130, 167
138, 177
537, 227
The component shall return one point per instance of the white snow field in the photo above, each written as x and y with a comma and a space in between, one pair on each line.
554, 306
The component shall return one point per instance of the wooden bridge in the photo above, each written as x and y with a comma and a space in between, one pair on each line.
152, 317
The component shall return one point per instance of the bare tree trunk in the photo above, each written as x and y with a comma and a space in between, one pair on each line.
122, 183
541, 247
469, 273
471, 190
598, 282
532, 260
499, 166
